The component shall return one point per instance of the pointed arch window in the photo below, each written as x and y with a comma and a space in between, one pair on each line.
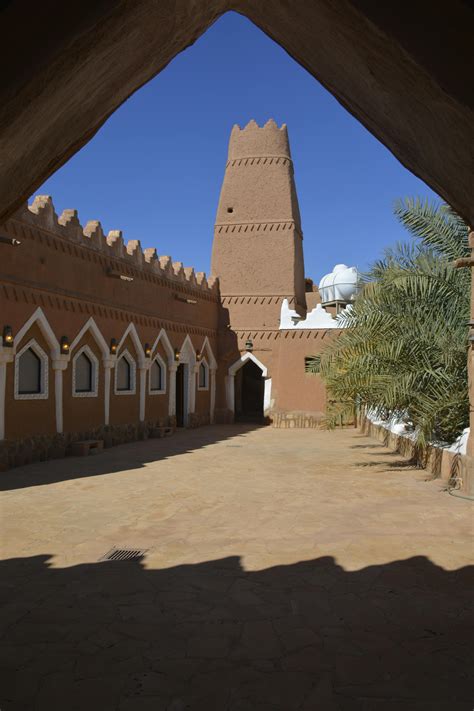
157, 377
203, 375
85, 373
125, 375
31, 373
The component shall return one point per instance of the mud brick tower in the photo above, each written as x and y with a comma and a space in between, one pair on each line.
257, 251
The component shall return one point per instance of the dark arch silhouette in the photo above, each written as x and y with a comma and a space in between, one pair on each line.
407, 79
249, 392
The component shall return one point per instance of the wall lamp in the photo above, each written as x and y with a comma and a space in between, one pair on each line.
249, 345
147, 349
113, 346
118, 275
9, 240
7, 337
64, 345
177, 354
198, 357
185, 300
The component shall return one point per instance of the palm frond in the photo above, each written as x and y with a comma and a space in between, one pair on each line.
437, 226
404, 343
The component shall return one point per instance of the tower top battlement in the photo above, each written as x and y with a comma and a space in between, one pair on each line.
259, 141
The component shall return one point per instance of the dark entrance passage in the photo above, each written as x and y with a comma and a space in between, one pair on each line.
180, 396
249, 388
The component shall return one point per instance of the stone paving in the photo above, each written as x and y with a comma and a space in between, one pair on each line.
285, 570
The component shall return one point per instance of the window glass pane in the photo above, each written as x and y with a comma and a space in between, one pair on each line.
83, 374
202, 376
156, 376
123, 374
29, 371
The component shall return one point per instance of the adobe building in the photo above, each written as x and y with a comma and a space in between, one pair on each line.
102, 340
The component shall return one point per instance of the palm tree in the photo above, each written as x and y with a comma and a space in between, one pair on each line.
403, 352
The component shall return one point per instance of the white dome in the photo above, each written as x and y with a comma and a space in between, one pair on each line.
339, 285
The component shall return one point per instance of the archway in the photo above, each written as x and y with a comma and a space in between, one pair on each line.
181, 407
86, 58
248, 389
183, 390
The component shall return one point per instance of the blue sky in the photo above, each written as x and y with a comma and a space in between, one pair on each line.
155, 168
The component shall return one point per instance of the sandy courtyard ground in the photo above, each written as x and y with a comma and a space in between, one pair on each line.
284, 570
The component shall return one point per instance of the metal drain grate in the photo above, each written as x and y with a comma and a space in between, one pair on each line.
124, 554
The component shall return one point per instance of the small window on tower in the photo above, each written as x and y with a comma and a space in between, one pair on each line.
312, 364
230, 209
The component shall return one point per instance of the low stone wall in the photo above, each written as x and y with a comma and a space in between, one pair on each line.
296, 420
457, 470
198, 420
223, 416
16, 453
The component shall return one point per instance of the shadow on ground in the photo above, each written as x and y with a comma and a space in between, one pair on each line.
214, 637
391, 465
388, 464
121, 458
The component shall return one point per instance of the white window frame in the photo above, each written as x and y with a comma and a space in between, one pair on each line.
204, 362
95, 373
163, 371
44, 375
133, 373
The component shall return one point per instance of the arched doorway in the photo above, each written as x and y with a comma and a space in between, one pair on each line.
249, 387
181, 395
184, 393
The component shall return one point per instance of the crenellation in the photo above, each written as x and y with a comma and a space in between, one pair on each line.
254, 141
69, 217
93, 231
42, 206
115, 243
201, 279
151, 259
42, 216
71, 226
178, 270
252, 125
167, 266
134, 250
190, 276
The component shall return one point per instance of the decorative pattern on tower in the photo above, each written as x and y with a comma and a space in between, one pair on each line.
257, 247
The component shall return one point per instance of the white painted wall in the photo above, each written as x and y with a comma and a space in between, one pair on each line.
317, 318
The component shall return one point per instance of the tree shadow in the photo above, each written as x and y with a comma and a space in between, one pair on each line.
215, 637
132, 455
391, 466
366, 446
